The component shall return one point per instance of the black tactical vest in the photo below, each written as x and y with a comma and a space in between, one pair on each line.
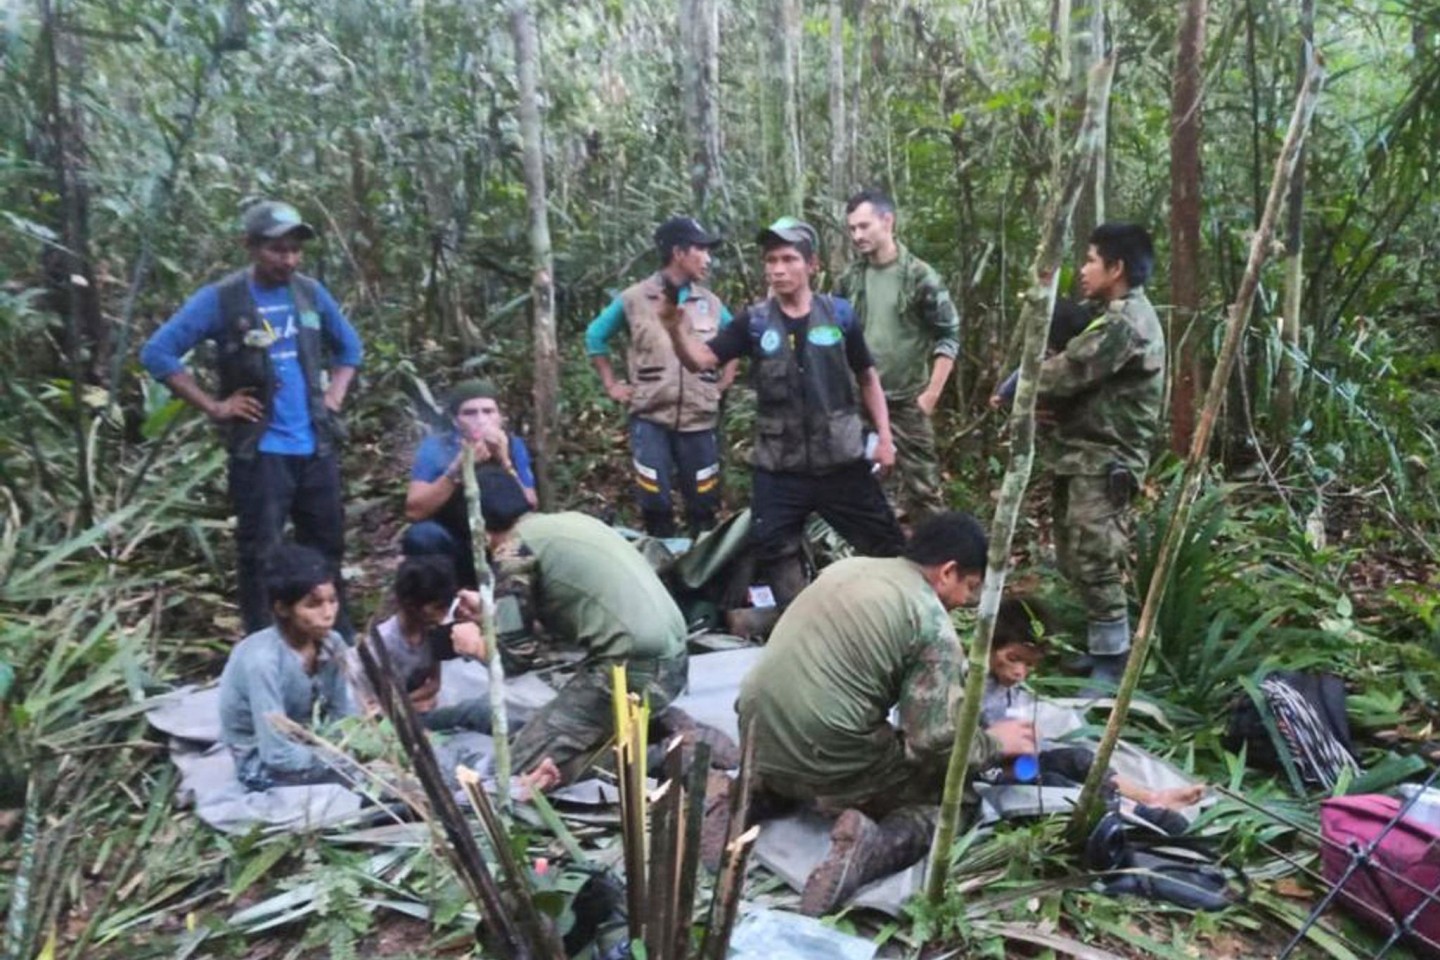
244, 364
807, 417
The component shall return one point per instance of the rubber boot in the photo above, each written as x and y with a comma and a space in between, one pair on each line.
1109, 642
862, 851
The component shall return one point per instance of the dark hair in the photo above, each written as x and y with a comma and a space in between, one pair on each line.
291, 571
878, 199
1022, 620
1067, 322
424, 580
945, 537
1128, 243
502, 499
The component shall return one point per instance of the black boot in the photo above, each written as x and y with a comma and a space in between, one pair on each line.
1105, 672
862, 851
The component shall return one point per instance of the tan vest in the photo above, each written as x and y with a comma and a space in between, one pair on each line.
665, 392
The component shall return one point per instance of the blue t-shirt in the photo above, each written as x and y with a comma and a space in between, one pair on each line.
437, 451
199, 319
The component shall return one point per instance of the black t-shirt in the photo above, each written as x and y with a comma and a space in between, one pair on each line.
736, 338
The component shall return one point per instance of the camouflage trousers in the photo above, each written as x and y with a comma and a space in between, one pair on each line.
1092, 544
571, 728
892, 786
915, 485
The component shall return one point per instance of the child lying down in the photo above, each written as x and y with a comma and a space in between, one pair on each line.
1018, 648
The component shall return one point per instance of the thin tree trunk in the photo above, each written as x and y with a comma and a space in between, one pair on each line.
69, 269
1197, 460
790, 37
839, 143
1286, 380
1035, 320
700, 68
1185, 283
542, 270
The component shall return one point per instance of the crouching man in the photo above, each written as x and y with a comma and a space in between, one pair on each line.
869, 636
589, 588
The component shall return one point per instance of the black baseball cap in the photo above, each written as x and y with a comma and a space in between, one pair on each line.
271, 219
683, 232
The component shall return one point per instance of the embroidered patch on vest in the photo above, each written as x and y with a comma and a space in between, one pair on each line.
826, 336
770, 342
311, 319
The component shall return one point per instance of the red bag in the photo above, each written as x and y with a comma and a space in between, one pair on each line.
1400, 871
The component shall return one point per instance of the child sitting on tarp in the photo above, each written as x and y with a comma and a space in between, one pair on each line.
294, 667
422, 634
1018, 647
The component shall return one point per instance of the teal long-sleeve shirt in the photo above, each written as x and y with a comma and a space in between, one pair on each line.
612, 320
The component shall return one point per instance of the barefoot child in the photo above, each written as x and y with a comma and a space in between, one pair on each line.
291, 668
1017, 649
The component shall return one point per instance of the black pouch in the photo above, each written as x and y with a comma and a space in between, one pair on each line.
1121, 485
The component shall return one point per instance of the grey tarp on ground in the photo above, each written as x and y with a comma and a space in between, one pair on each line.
191, 717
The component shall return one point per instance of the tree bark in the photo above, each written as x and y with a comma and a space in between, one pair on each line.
1286, 379
1197, 460
839, 143
700, 79
790, 37
1185, 283
542, 270
1035, 320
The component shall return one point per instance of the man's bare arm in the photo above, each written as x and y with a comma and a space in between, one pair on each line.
694, 354
616, 389
872, 395
240, 405
939, 375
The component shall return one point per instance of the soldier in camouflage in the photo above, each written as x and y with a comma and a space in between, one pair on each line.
913, 330
1104, 392
867, 636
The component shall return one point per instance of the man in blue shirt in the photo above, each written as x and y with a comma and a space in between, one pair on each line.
435, 502
276, 401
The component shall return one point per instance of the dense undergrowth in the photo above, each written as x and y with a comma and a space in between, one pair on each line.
116, 583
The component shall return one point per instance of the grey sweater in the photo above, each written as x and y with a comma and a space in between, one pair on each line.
263, 676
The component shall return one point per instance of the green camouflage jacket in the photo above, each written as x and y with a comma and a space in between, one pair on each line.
1106, 389
924, 324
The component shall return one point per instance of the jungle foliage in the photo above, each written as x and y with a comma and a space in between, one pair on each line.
132, 132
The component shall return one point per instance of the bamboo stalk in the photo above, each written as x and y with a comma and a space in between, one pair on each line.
485, 581
726, 903
694, 816
517, 878
461, 850
661, 873
1196, 461
1035, 319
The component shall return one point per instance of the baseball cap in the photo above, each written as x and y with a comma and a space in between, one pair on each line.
789, 230
683, 232
270, 219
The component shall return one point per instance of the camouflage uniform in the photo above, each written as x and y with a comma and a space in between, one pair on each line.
904, 336
1105, 391
588, 587
868, 635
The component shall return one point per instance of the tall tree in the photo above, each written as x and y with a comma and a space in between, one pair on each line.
1185, 273
789, 39
542, 268
1286, 381
700, 70
839, 142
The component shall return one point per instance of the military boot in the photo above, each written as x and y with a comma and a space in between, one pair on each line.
862, 851
724, 754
